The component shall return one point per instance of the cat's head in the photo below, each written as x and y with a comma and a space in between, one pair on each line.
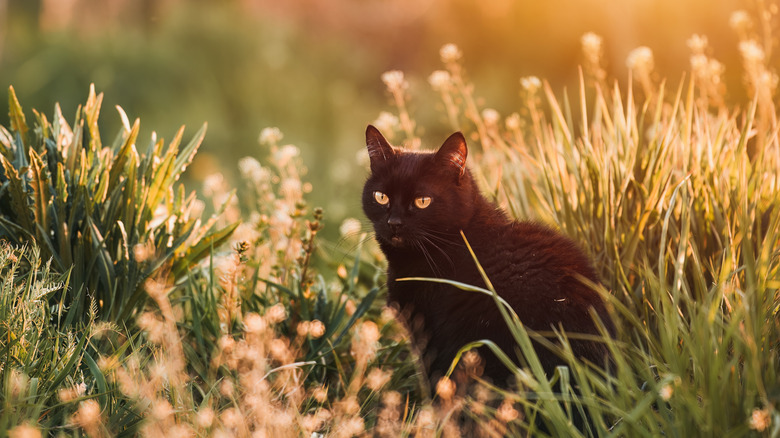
414, 198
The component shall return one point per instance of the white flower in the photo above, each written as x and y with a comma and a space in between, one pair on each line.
350, 227
697, 43
513, 122
386, 122
252, 169
394, 80
490, 116
440, 80
740, 21
270, 136
285, 154
591, 46
530, 84
450, 53
752, 52
640, 59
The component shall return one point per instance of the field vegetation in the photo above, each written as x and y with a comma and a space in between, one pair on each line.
131, 306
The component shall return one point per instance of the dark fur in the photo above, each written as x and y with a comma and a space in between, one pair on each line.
531, 266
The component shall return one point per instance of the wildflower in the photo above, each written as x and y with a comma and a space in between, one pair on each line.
450, 53
72, 393
88, 416
352, 426
349, 405
24, 431
161, 409
640, 59
591, 46
697, 43
232, 418
364, 343
143, 251
752, 52
760, 420
531, 84
226, 388
426, 418
740, 21
513, 122
666, 392
205, 418
279, 350
320, 394
316, 329
276, 313
252, 169
506, 412
350, 227
388, 314
270, 136
445, 388
440, 80
213, 184
490, 116
394, 80
377, 379
303, 328
285, 154
254, 323
386, 122
291, 188
350, 306
152, 326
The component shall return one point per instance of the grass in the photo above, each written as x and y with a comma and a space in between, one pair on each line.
672, 190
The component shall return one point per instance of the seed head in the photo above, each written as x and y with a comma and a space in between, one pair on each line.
760, 420
394, 80
445, 388
316, 329
270, 136
697, 43
450, 53
24, 431
591, 46
531, 84
440, 80
640, 59
490, 116
740, 21
350, 227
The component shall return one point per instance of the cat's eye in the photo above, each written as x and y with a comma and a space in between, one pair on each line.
381, 198
422, 202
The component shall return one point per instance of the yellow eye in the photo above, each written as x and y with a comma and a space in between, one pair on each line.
422, 202
381, 198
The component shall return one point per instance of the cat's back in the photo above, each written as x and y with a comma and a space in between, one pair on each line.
534, 266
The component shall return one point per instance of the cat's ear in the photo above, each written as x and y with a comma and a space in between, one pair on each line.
453, 153
379, 150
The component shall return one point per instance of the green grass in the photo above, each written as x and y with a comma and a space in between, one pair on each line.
673, 193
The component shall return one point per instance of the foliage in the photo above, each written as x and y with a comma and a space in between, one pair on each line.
108, 214
678, 202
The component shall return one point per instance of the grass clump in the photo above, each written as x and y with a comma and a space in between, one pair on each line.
677, 199
108, 214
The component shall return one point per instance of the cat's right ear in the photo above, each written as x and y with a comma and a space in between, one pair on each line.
379, 150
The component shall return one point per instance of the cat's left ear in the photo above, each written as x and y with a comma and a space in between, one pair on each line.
379, 150
453, 153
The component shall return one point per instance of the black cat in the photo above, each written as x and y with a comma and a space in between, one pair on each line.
419, 202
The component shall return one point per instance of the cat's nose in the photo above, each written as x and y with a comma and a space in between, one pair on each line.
394, 223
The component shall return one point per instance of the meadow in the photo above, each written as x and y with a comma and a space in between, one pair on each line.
132, 306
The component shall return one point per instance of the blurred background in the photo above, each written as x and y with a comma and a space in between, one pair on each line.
312, 67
